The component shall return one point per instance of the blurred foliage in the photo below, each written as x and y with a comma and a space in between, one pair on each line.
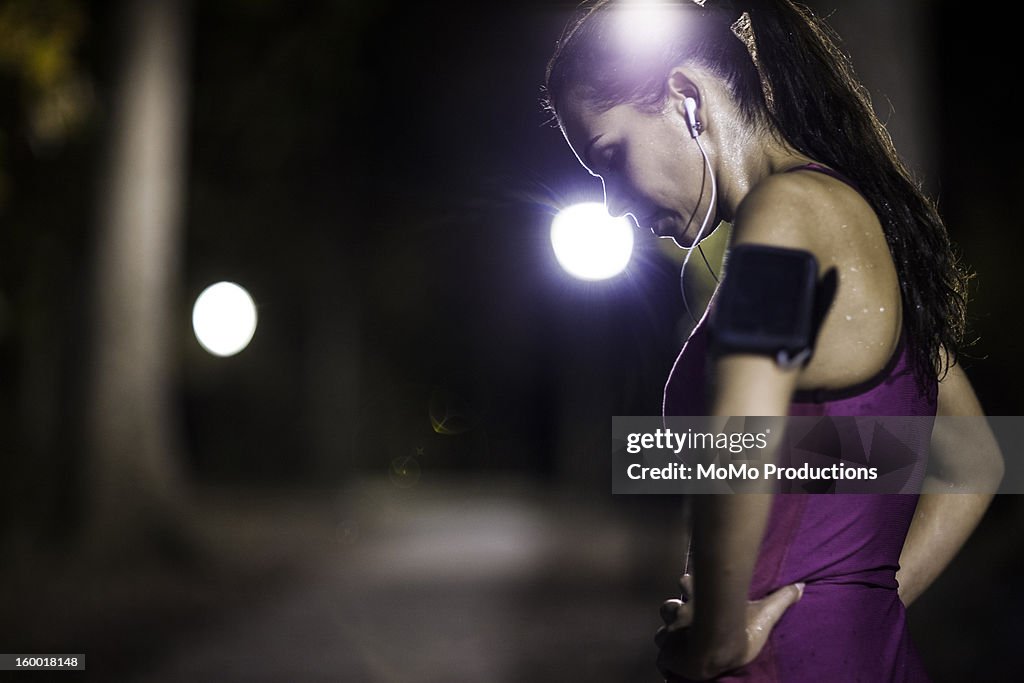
39, 40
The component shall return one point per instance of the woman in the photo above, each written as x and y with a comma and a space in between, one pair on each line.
698, 112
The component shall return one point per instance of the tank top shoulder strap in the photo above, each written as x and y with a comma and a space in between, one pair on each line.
821, 168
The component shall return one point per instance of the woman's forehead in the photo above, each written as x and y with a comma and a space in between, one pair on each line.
582, 124
576, 114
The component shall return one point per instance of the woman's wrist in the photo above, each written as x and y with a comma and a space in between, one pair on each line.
721, 651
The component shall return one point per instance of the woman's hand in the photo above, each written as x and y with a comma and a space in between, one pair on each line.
694, 656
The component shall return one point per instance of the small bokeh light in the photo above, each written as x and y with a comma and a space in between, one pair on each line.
224, 318
590, 244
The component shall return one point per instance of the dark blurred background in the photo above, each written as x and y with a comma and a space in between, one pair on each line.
404, 477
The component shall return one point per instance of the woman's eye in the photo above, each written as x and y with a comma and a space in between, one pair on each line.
613, 160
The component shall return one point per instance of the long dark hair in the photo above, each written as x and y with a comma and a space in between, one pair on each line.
817, 105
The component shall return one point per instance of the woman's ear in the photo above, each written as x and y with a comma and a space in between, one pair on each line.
684, 97
682, 84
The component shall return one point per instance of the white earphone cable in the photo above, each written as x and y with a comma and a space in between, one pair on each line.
703, 227
682, 287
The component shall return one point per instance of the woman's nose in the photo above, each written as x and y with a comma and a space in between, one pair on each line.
614, 201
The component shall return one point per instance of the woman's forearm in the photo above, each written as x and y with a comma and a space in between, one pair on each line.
728, 528
965, 468
941, 525
727, 535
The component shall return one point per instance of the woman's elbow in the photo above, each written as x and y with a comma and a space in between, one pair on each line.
995, 470
981, 473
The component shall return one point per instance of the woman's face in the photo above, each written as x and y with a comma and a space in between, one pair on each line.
649, 165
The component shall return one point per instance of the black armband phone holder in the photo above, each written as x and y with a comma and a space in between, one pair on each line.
771, 303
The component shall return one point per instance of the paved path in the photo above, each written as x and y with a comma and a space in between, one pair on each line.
438, 584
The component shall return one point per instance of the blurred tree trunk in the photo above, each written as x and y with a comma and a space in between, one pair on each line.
134, 489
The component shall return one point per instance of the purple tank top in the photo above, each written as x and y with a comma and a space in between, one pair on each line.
850, 624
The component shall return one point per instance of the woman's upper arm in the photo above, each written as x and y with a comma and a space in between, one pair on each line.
746, 384
774, 213
964, 451
956, 395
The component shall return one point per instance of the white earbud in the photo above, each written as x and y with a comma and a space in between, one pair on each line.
690, 105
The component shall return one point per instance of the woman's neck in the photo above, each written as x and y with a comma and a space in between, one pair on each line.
744, 163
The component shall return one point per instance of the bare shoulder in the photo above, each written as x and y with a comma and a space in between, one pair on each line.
825, 216
800, 210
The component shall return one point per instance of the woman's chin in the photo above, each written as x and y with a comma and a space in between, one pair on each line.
688, 240
664, 226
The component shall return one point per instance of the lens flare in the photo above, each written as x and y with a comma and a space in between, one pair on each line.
450, 414
644, 24
404, 472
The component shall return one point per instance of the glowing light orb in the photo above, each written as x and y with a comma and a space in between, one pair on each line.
589, 244
224, 318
